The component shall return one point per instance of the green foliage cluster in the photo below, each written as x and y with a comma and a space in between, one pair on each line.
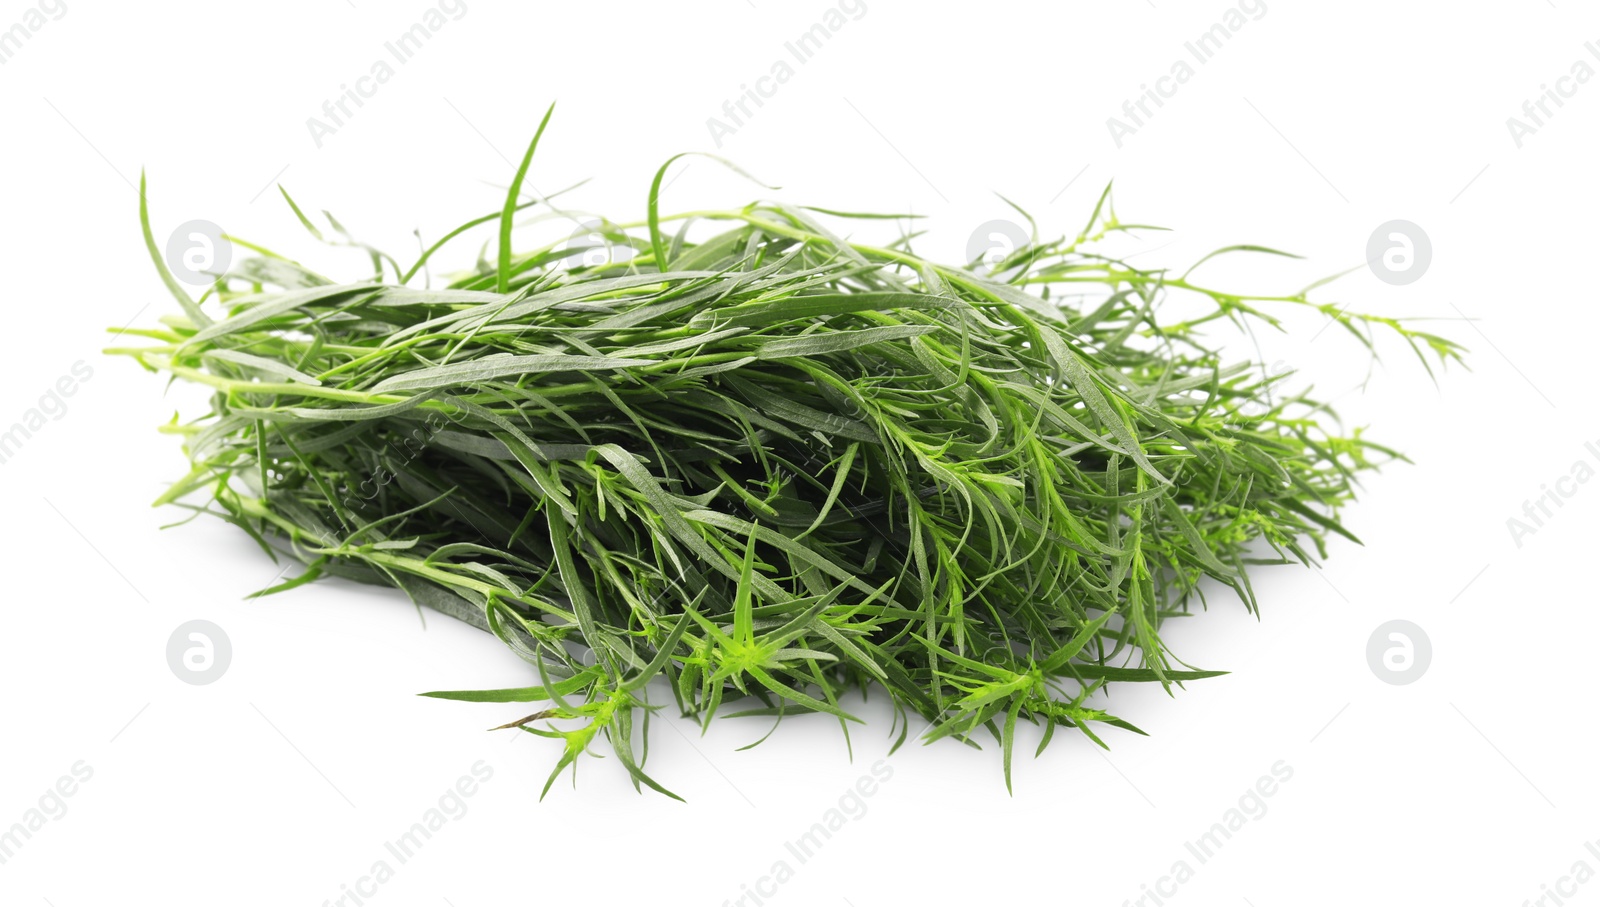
767, 468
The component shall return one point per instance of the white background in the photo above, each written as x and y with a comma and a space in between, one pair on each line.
279, 783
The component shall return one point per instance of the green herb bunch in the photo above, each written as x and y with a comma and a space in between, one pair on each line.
769, 467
